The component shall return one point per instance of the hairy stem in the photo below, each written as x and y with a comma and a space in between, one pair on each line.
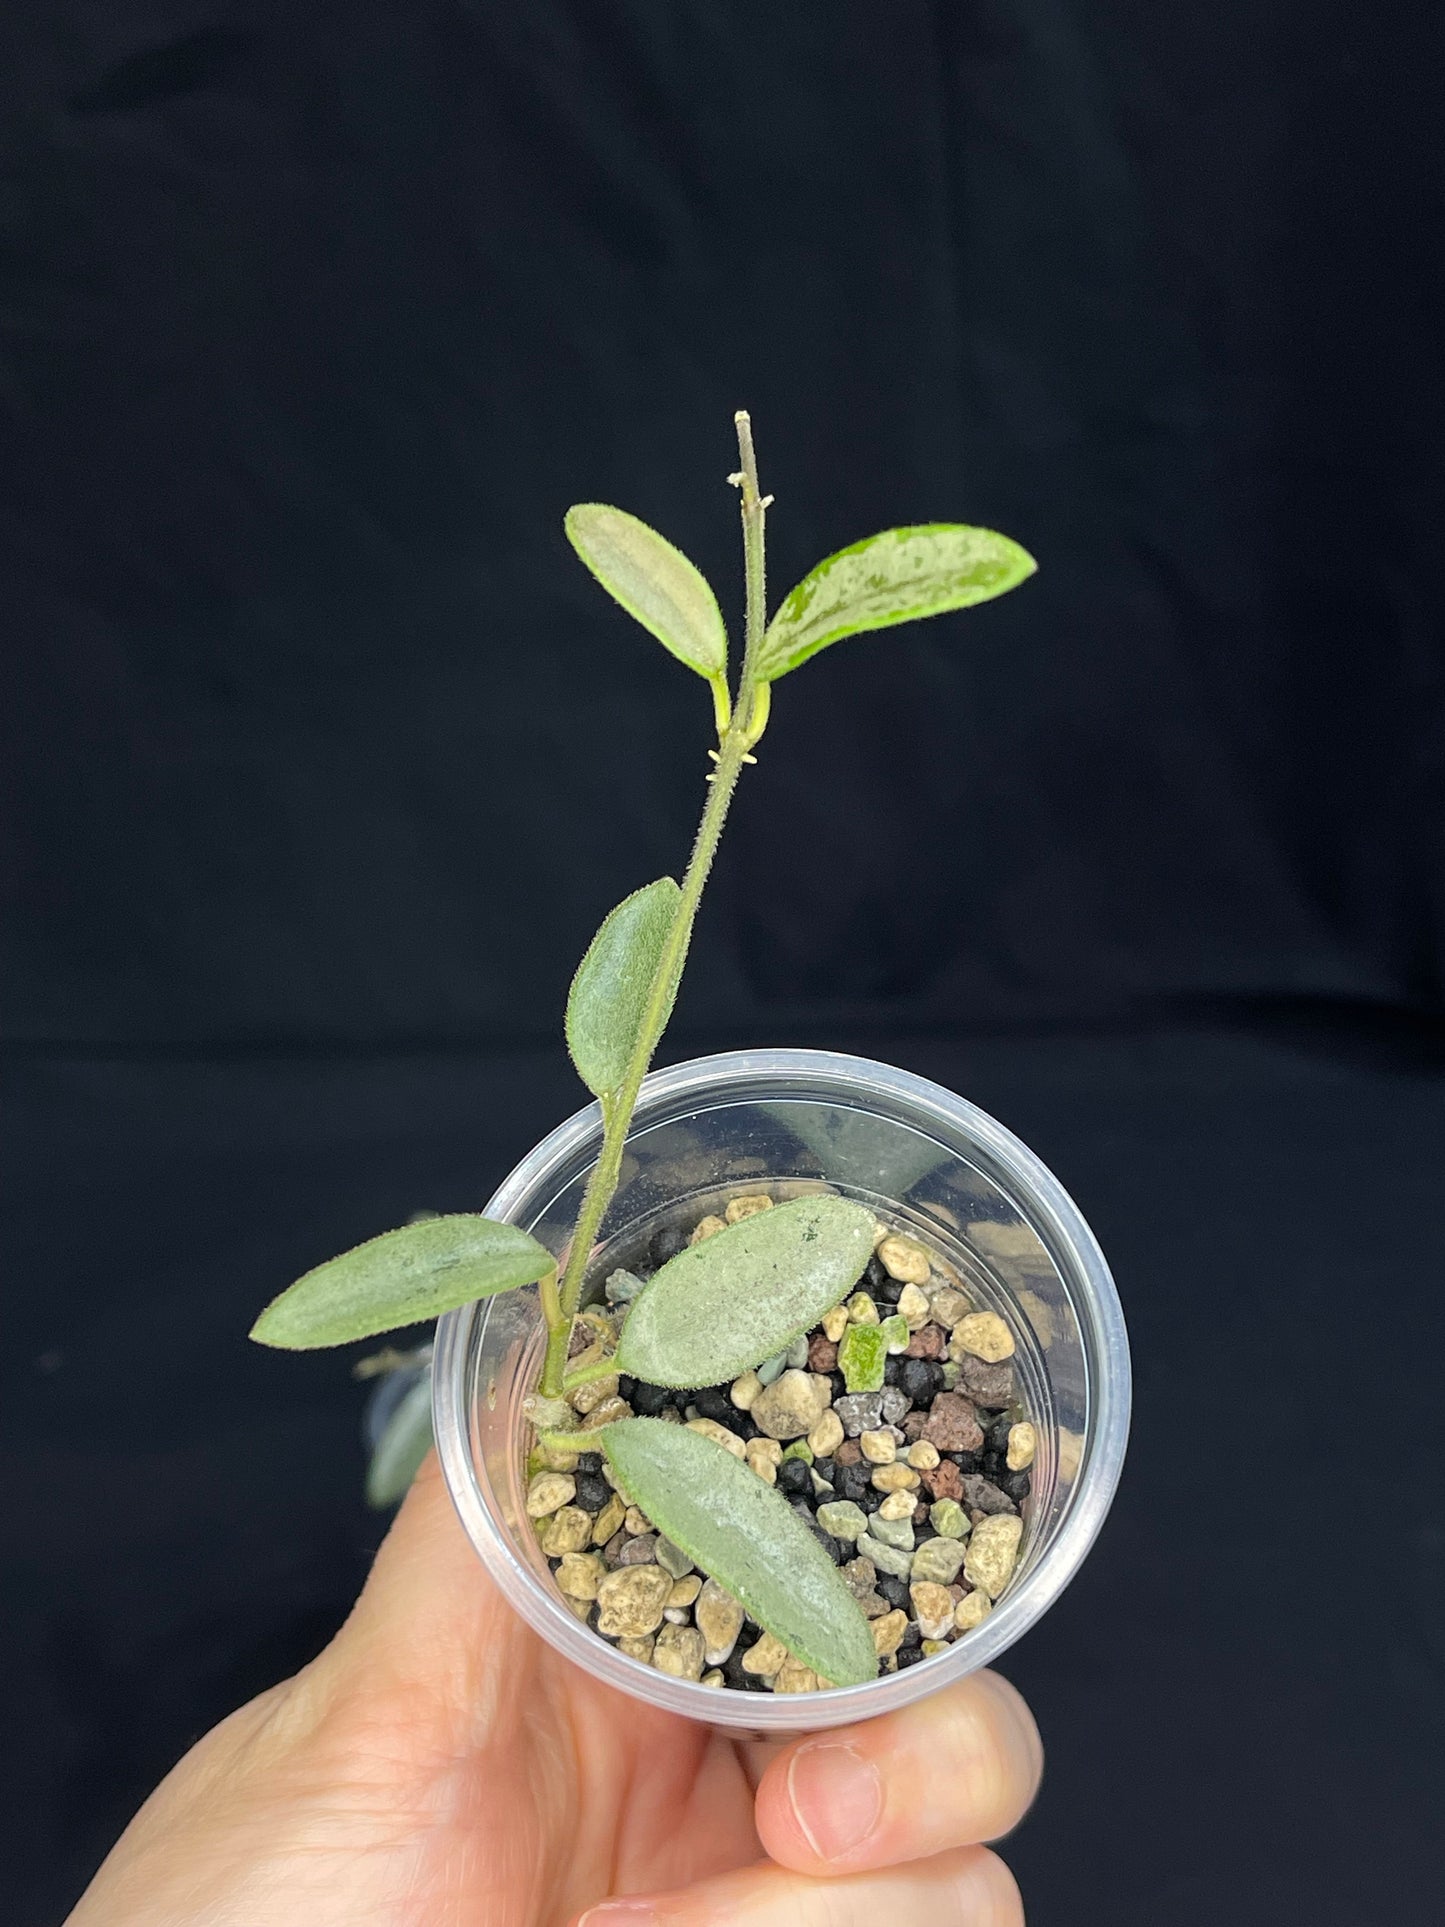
743, 729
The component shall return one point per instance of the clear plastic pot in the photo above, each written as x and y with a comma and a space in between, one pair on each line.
921, 1157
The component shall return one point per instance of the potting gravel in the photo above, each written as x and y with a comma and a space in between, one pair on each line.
915, 1490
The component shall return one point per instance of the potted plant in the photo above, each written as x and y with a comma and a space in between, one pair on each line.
775, 1373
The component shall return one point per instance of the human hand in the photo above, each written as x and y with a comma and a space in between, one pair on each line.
440, 1766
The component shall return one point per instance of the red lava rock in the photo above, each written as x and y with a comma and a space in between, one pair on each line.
960, 1589
850, 1452
920, 1513
991, 1385
929, 1342
913, 1424
981, 1494
953, 1424
822, 1354
944, 1480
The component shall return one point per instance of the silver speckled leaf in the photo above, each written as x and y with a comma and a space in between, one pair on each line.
723, 1306
746, 1536
898, 576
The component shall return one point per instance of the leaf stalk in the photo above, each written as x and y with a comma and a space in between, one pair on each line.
746, 722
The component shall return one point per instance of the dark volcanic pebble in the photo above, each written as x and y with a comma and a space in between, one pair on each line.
625, 1386
910, 1656
851, 1481
895, 1591
593, 1491
912, 1636
920, 1379
648, 1400
826, 1469
1016, 1484
795, 1478
589, 1461
666, 1244
714, 1403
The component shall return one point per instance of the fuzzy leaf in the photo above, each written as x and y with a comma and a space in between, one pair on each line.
654, 582
746, 1536
401, 1447
608, 998
402, 1278
894, 577
721, 1307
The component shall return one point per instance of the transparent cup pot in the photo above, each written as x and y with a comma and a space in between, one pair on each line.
788, 1122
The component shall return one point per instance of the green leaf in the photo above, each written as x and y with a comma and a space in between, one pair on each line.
654, 582
894, 577
401, 1448
746, 1536
721, 1307
608, 999
402, 1278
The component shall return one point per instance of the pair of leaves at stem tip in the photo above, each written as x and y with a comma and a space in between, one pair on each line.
902, 575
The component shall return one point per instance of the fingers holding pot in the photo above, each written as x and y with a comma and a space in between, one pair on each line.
958, 1768
968, 1888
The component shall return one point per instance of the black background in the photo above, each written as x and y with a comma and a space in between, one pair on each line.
323, 757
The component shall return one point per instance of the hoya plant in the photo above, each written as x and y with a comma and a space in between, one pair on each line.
724, 1306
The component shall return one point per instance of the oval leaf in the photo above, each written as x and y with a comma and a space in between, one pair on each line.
746, 1536
654, 582
401, 1448
402, 1278
608, 998
898, 576
721, 1307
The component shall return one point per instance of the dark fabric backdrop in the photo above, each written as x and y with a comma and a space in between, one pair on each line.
323, 757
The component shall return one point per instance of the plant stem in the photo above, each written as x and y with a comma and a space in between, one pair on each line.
744, 726
589, 1374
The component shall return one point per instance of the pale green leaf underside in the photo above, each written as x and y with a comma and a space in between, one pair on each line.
723, 1306
402, 1278
654, 582
898, 576
746, 1536
401, 1448
608, 999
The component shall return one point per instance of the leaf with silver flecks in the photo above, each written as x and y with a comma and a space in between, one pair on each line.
898, 576
402, 1278
746, 1536
723, 1306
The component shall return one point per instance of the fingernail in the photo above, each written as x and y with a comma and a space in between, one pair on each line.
620, 1913
837, 1797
